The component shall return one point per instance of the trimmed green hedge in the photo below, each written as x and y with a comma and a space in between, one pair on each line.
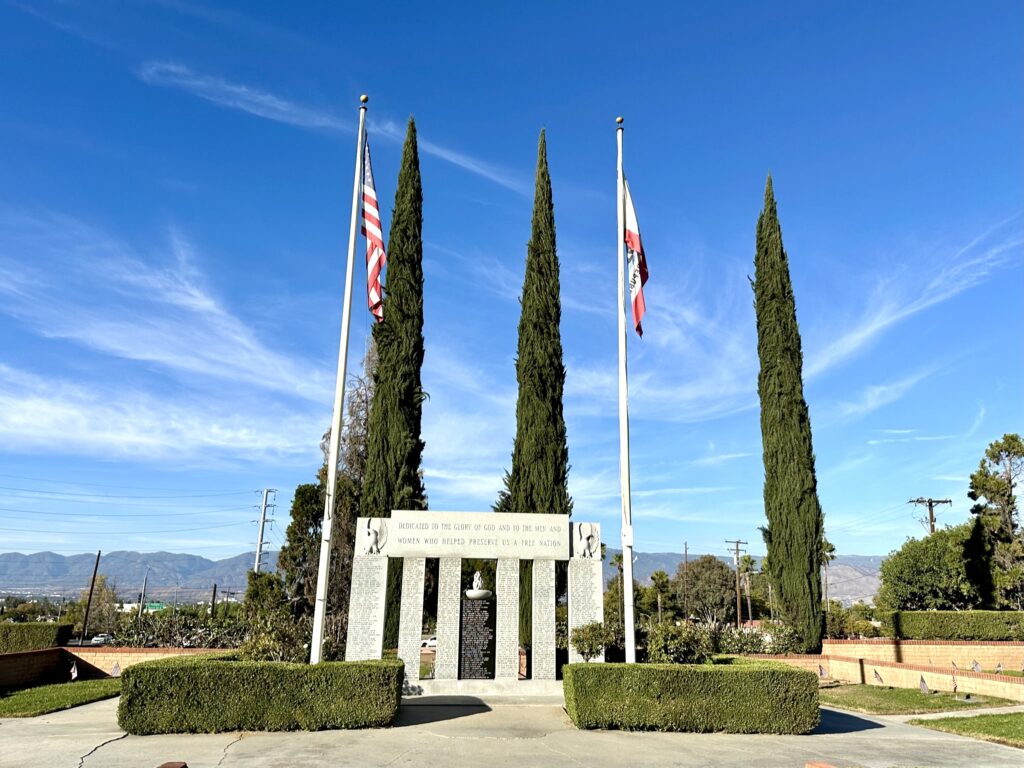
953, 625
732, 696
32, 636
213, 693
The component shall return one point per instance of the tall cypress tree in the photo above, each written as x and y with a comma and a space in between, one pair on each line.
538, 482
394, 448
795, 521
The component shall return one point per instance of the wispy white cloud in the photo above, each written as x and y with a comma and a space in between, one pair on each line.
914, 439
721, 458
50, 415
878, 395
894, 301
88, 287
269, 106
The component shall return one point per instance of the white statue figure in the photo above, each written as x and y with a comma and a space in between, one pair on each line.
588, 541
478, 581
372, 539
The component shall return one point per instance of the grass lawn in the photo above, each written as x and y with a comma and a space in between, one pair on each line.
879, 700
1007, 672
30, 702
1002, 729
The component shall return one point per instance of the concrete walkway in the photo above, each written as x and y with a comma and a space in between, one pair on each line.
454, 732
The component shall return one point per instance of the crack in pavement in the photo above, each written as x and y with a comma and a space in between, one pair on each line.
230, 744
81, 760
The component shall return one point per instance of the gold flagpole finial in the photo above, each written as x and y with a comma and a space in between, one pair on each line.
619, 120
363, 99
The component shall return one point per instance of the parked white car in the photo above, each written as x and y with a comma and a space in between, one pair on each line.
430, 642
102, 639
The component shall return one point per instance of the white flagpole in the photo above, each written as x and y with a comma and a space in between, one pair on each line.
323, 573
627, 511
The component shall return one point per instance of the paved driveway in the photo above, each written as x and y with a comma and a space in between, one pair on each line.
450, 733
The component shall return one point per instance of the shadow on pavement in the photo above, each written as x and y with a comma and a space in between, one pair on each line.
435, 709
843, 722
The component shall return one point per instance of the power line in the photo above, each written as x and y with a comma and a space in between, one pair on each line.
118, 485
931, 504
124, 514
736, 560
121, 496
124, 533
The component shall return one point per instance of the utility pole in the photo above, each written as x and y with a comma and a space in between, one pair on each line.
736, 561
213, 600
686, 576
931, 504
746, 581
142, 599
88, 603
262, 525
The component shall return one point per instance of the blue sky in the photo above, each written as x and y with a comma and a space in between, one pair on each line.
173, 223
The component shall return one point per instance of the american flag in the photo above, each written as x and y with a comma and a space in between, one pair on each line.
376, 258
637, 262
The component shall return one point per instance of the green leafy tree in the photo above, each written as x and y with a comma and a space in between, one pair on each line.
946, 571
711, 589
538, 480
795, 520
299, 559
274, 633
103, 615
993, 488
394, 450
657, 601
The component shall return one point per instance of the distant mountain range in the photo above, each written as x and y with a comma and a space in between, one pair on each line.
191, 576
851, 577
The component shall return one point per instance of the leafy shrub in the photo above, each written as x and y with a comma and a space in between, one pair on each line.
591, 639
953, 625
32, 636
685, 643
738, 696
214, 693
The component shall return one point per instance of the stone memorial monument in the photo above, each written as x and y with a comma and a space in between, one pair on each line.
478, 631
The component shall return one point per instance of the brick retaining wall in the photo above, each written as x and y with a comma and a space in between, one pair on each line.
27, 668
103, 658
937, 653
938, 677
53, 665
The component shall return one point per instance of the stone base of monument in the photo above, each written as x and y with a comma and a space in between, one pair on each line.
485, 688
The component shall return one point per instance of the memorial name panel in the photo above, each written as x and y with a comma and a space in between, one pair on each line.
506, 664
410, 627
543, 649
586, 594
446, 663
476, 655
366, 608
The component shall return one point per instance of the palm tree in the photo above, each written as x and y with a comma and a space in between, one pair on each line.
828, 554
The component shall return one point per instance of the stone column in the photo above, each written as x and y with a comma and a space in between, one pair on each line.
506, 654
410, 627
586, 594
449, 587
543, 620
366, 607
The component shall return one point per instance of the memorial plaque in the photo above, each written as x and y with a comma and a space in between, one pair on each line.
449, 585
481, 535
543, 620
410, 627
506, 664
586, 594
476, 650
366, 608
